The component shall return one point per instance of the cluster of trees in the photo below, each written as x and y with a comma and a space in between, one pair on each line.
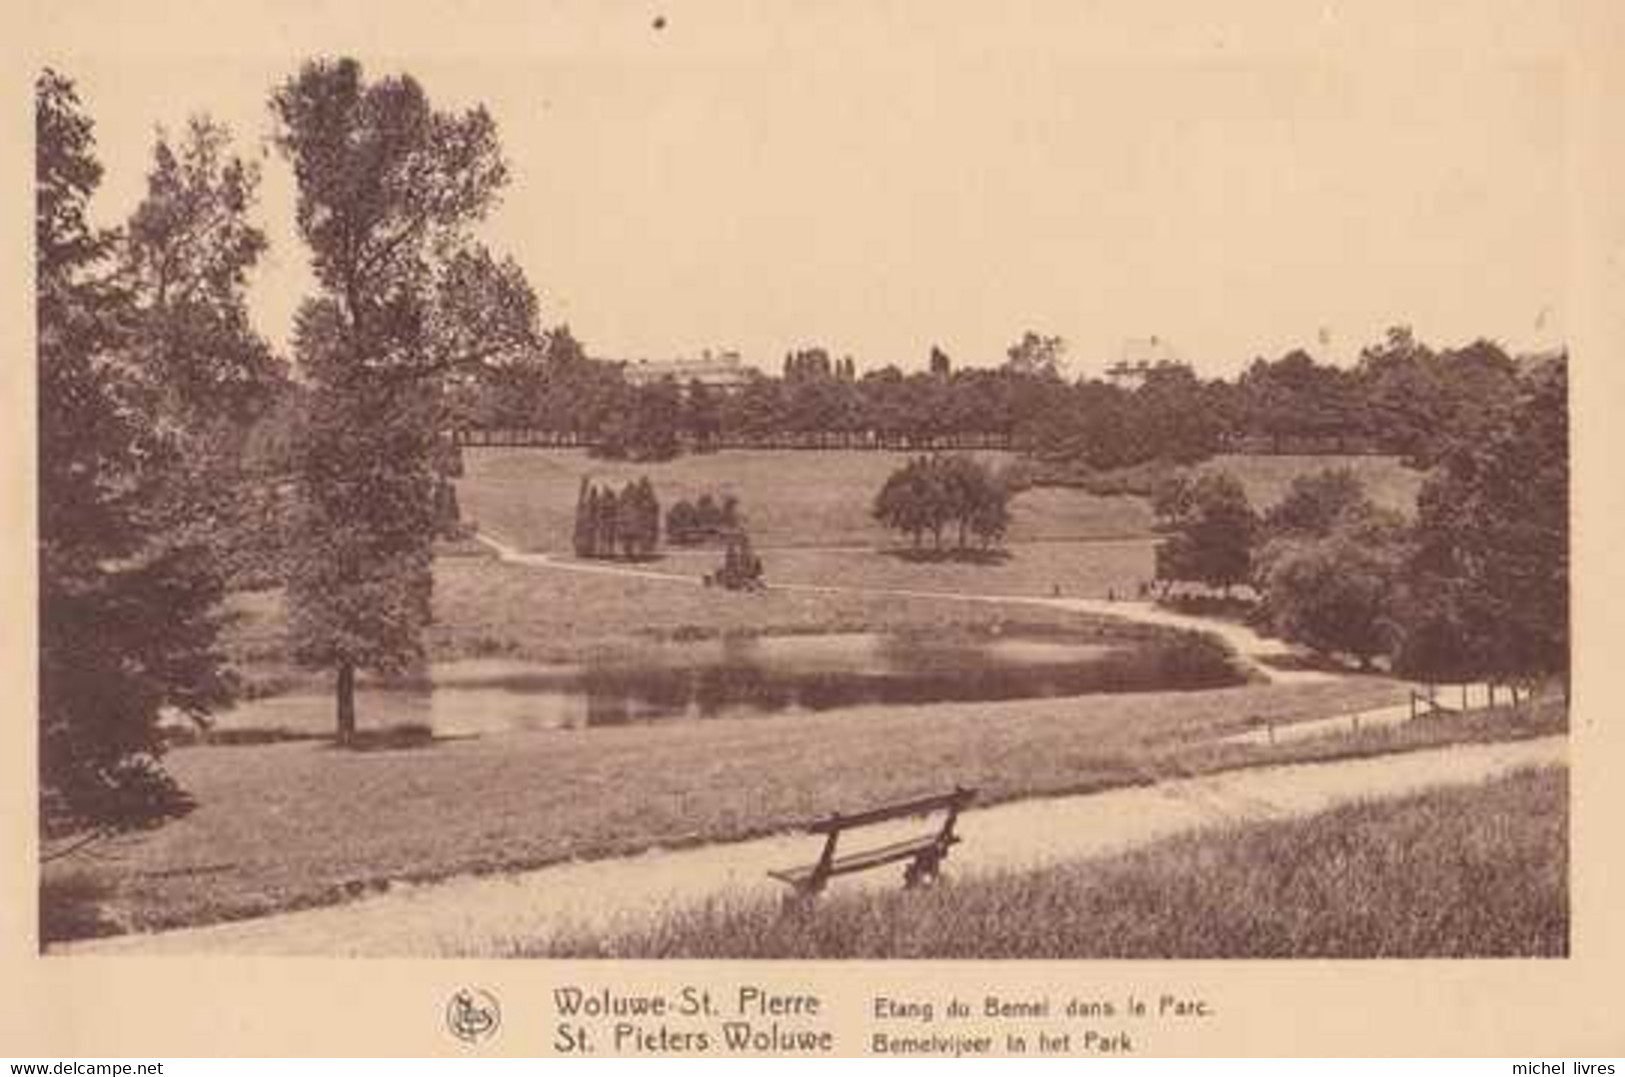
812, 364
1330, 568
1209, 526
610, 524
705, 519
946, 493
1476, 587
1402, 396
173, 439
148, 373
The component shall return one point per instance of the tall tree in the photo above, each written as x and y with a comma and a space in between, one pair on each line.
582, 539
1332, 581
1036, 355
188, 250
702, 415
1210, 526
128, 610
186, 257
1490, 575
388, 189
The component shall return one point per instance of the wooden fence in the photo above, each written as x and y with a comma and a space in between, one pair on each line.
869, 440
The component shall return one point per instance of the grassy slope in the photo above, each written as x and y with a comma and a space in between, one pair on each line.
1474, 872
796, 500
823, 498
1266, 478
287, 825
789, 498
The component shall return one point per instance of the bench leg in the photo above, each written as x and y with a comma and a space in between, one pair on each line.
801, 897
798, 902
922, 869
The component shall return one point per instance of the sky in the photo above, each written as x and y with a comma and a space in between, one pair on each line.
877, 178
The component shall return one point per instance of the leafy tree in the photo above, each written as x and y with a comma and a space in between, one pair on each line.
741, 569
649, 517
185, 258
1315, 503
702, 415
388, 189
931, 494
1489, 582
583, 539
1210, 525
910, 500
562, 347
1172, 417
629, 520
608, 523
1297, 399
129, 615
1036, 356
758, 409
988, 517
682, 524
1338, 592
637, 519
187, 253
703, 520
1421, 403
657, 417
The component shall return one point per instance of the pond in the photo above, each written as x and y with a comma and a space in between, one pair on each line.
745, 676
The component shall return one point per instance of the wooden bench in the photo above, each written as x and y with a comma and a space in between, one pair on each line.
924, 853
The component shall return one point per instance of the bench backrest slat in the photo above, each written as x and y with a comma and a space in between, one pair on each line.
952, 802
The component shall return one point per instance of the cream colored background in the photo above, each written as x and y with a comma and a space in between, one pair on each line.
64, 1007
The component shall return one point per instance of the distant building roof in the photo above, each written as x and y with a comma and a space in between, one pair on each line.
723, 369
1140, 355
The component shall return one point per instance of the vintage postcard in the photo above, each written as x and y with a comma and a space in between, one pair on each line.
919, 530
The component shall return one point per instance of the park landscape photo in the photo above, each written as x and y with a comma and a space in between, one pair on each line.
392, 604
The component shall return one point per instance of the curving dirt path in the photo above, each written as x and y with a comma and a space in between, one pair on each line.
484, 915
1270, 658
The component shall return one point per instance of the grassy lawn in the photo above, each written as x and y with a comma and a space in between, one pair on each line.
823, 498
282, 826
1480, 871
1078, 569
789, 498
288, 825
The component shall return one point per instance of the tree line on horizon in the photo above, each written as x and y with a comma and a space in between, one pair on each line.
1401, 397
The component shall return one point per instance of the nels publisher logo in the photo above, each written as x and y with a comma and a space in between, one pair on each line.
473, 1015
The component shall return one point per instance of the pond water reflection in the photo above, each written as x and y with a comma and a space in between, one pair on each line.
759, 676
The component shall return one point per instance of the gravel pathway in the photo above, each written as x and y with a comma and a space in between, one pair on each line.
480, 915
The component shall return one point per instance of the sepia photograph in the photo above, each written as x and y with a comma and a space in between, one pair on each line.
841, 486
